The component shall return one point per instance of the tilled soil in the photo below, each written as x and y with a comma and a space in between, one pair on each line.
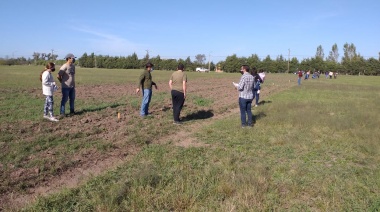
114, 123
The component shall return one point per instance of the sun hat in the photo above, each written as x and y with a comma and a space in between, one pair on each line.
70, 55
149, 64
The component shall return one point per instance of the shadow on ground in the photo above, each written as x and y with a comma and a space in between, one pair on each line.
202, 114
264, 102
80, 112
258, 116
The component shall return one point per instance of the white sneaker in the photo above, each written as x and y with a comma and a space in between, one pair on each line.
52, 118
256, 105
46, 117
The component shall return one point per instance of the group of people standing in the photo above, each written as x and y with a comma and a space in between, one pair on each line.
177, 84
249, 88
66, 77
331, 74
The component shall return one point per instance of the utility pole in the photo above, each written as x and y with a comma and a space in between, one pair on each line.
147, 55
96, 65
288, 58
52, 54
209, 61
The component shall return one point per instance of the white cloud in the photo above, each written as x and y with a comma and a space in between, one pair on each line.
110, 44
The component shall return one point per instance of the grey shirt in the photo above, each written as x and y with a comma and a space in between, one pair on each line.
67, 72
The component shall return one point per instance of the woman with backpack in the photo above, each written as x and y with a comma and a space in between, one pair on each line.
257, 85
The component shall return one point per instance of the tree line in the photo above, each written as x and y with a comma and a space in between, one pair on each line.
351, 62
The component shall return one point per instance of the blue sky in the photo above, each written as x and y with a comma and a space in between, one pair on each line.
181, 29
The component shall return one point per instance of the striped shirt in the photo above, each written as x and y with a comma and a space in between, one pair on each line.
245, 87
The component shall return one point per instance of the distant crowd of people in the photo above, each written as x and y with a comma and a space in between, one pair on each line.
316, 74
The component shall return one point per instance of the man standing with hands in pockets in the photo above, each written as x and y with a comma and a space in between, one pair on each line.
177, 84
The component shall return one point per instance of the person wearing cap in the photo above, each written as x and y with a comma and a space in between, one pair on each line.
177, 84
145, 82
66, 76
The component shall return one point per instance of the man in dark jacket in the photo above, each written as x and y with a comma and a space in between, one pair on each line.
146, 83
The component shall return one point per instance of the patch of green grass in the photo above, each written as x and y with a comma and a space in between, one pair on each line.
313, 147
201, 101
16, 106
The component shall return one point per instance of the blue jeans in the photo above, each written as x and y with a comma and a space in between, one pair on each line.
245, 110
67, 93
299, 80
256, 95
147, 96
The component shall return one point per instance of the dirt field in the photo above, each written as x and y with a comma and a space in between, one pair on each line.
102, 123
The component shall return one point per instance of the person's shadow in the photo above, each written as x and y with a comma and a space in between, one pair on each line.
264, 102
260, 115
95, 109
202, 114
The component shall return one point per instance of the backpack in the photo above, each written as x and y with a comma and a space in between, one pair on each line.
257, 84
300, 73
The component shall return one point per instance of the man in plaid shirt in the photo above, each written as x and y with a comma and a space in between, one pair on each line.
245, 89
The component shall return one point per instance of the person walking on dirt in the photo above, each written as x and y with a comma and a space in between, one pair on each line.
245, 88
145, 82
48, 88
177, 84
66, 76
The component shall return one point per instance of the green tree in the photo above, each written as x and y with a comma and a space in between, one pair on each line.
350, 59
83, 60
334, 54
232, 64
156, 62
134, 61
268, 64
305, 64
293, 65
254, 61
280, 64
200, 59
320, 53
349, 52
316, 64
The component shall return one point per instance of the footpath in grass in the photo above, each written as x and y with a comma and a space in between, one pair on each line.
313, 147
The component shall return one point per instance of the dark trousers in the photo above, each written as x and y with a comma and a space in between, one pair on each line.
178, 99
67, 93
245, 110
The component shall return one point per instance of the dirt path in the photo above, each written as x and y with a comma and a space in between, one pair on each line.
94, 164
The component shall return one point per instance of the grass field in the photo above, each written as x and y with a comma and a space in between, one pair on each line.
314, 147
